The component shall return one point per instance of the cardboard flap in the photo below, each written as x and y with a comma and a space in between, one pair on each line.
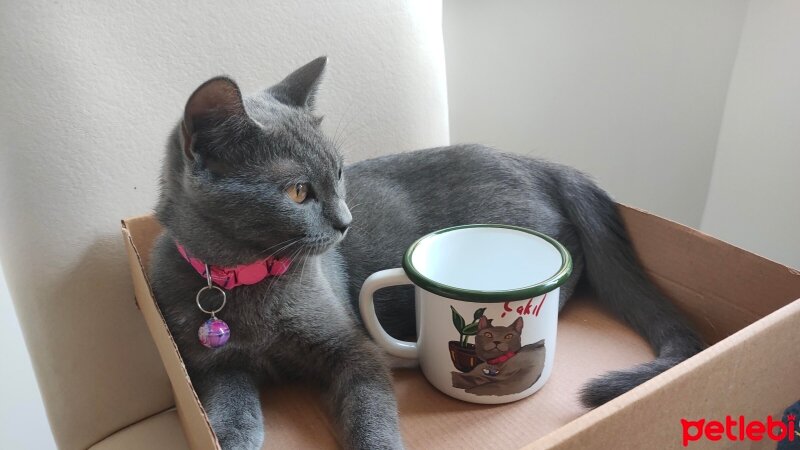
143, 231
720, 287
751, 373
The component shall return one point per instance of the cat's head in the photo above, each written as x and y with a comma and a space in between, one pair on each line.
493, 341
246, 177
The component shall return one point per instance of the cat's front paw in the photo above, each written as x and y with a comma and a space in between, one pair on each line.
231, 401
238, 427
235, 438
380, 441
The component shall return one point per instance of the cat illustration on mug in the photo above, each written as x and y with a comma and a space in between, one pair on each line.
508, 367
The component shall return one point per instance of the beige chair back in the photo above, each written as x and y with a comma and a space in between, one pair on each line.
90, 91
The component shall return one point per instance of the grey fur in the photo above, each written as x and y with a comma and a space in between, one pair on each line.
223, 197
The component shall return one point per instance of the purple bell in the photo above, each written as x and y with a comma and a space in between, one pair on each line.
214, 333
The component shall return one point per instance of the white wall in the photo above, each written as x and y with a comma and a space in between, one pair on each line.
631, 92
88, 93
23, 424
754, 200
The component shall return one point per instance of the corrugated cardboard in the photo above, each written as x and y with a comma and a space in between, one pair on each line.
742, 303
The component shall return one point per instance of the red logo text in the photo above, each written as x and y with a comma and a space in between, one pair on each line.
739, 429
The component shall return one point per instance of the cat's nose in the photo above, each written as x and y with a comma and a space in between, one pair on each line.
342, 217
343, 224
496, 342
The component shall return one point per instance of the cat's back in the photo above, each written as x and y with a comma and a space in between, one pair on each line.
457, 184
453, 161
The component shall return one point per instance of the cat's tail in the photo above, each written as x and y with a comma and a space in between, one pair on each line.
621, 284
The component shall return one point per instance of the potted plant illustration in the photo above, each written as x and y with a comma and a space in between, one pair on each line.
461, 351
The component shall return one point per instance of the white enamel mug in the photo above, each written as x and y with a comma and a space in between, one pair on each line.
486, 309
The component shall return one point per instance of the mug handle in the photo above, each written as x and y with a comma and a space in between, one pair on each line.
378, 280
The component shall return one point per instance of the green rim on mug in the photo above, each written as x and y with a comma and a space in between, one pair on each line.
470, 295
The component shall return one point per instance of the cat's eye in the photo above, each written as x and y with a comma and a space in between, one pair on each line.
509, 336
487, 334
298, 193
340, 173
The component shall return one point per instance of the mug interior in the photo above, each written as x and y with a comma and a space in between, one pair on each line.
488, 258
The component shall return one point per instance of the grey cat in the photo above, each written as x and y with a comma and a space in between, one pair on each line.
508, 367
249, 177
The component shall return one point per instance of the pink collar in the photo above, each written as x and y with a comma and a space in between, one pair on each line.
243, 274
502, 358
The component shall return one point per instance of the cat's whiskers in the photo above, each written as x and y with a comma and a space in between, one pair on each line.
342, 137
293, 258
284, 248
303, 270
351, 208
275, 279
355, 194
339, 124
279, 243
339, 129
349, 134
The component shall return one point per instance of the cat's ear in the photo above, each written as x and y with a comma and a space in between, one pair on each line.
213, 102
483, 322
300, 87
518, 324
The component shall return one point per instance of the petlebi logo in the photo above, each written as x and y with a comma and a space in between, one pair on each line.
740, 429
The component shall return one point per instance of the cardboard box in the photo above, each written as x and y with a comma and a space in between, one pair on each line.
745, 305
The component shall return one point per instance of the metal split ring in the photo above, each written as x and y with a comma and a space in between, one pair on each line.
206, 288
